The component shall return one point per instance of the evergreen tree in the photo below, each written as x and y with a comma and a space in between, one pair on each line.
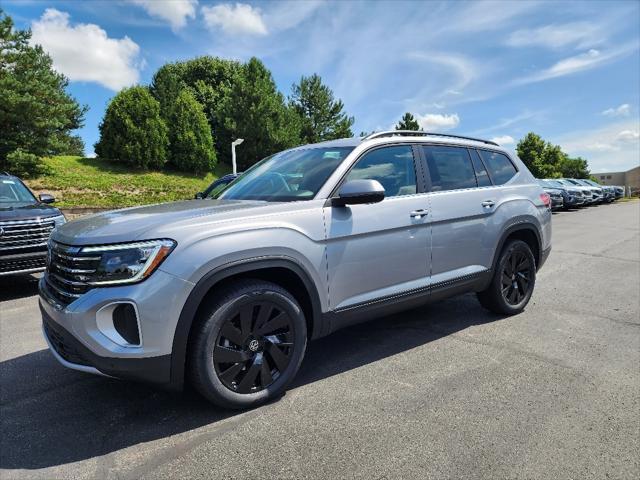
256, 112
132, 130
408, 122
35, 109
321, 116
191, 145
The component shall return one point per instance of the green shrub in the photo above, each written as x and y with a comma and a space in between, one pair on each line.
132, 130
191, 144
24, 164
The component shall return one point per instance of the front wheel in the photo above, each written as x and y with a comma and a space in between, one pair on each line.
248, 344
513, 280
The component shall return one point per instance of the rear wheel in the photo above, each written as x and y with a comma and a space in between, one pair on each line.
513, 280
248, 344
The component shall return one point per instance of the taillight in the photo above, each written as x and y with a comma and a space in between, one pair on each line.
546, 199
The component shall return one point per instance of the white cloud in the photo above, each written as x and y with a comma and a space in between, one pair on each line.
578, 63
84, 52
628, 135
504, 140
611, 148
175, 12
235, 19
436, 121
580, 34
622, 111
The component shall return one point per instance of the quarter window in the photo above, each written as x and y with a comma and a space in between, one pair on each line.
450, 168
500, 167
481, 172
393, 167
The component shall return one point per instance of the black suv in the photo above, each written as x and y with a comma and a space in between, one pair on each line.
25, 225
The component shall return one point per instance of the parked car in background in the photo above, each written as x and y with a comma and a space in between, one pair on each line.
587, 192
217, 185
597, 194
609, 192
225, 292
571, 195
557, 200
619, 191
25, 225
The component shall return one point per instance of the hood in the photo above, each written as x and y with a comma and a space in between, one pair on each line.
134, 223
555, 191
26, 211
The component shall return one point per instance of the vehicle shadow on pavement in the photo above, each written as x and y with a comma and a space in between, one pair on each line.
53, 416
13, 287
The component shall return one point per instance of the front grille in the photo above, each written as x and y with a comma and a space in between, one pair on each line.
25, 233
63, 348
22, 264
68, 272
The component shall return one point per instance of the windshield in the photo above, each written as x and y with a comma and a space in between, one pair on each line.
12, 191
287, 176
554, 183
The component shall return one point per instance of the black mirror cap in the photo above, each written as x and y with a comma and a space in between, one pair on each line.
199, 196
46, 198
357, 192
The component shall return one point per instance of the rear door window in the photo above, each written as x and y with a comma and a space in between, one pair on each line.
500, 167
481, 172
450, 168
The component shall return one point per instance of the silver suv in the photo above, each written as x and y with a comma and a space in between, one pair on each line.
226, 292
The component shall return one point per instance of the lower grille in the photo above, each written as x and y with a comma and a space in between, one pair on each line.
63, 349
22, 264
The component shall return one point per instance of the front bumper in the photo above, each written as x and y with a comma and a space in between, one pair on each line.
78, 339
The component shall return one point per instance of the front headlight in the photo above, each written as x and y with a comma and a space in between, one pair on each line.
58, 220
128, 262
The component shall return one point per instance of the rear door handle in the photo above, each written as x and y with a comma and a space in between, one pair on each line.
488, 203
418, 213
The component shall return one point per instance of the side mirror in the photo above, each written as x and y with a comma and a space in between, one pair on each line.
356, 192
199, 196
46, 198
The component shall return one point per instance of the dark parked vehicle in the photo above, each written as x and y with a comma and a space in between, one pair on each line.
571, 196
25, 225
609, 193
596, 192
619, 191
217, 185
557, 200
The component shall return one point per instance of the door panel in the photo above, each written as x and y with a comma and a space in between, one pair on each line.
377, 250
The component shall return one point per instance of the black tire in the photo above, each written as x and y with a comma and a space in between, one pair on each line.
247, 344
513, 280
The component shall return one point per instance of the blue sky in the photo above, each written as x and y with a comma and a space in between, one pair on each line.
569, 71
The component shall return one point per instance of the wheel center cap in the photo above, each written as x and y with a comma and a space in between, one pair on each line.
254, 345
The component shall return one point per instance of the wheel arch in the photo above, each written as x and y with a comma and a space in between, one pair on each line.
528, 233
281, 270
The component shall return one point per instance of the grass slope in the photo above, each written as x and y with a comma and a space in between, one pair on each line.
89, 182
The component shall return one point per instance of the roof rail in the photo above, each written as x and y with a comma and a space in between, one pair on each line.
413, 133
5, 173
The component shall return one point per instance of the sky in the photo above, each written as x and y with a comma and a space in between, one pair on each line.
569, 71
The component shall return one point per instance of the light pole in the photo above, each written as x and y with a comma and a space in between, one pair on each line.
233, 153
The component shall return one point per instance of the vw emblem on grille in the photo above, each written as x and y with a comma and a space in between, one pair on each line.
1, 231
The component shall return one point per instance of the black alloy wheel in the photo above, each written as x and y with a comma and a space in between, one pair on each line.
254, 347
516, 277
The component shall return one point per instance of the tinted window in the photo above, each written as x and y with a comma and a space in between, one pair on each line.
12, 191
481, 172
450, 168
393, 167
500, 167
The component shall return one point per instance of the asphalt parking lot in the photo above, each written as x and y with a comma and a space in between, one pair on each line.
445, 391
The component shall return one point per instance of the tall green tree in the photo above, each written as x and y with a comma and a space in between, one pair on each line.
35, 109
321, 115
210, 79
132, 130
256, 112
408, 122
574, 167
190, 142
543, 159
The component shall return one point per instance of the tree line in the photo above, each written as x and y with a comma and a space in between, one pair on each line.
187, 117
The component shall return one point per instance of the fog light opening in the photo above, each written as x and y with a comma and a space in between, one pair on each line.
125, 321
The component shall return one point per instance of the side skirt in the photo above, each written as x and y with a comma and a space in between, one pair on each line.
344, 317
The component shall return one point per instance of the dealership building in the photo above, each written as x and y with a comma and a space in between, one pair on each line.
629, 179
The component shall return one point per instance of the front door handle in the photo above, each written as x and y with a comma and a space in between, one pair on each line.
418, 213
488, 203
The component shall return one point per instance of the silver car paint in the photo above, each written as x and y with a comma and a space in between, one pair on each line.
352, 254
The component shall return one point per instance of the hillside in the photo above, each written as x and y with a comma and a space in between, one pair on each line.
89, 182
